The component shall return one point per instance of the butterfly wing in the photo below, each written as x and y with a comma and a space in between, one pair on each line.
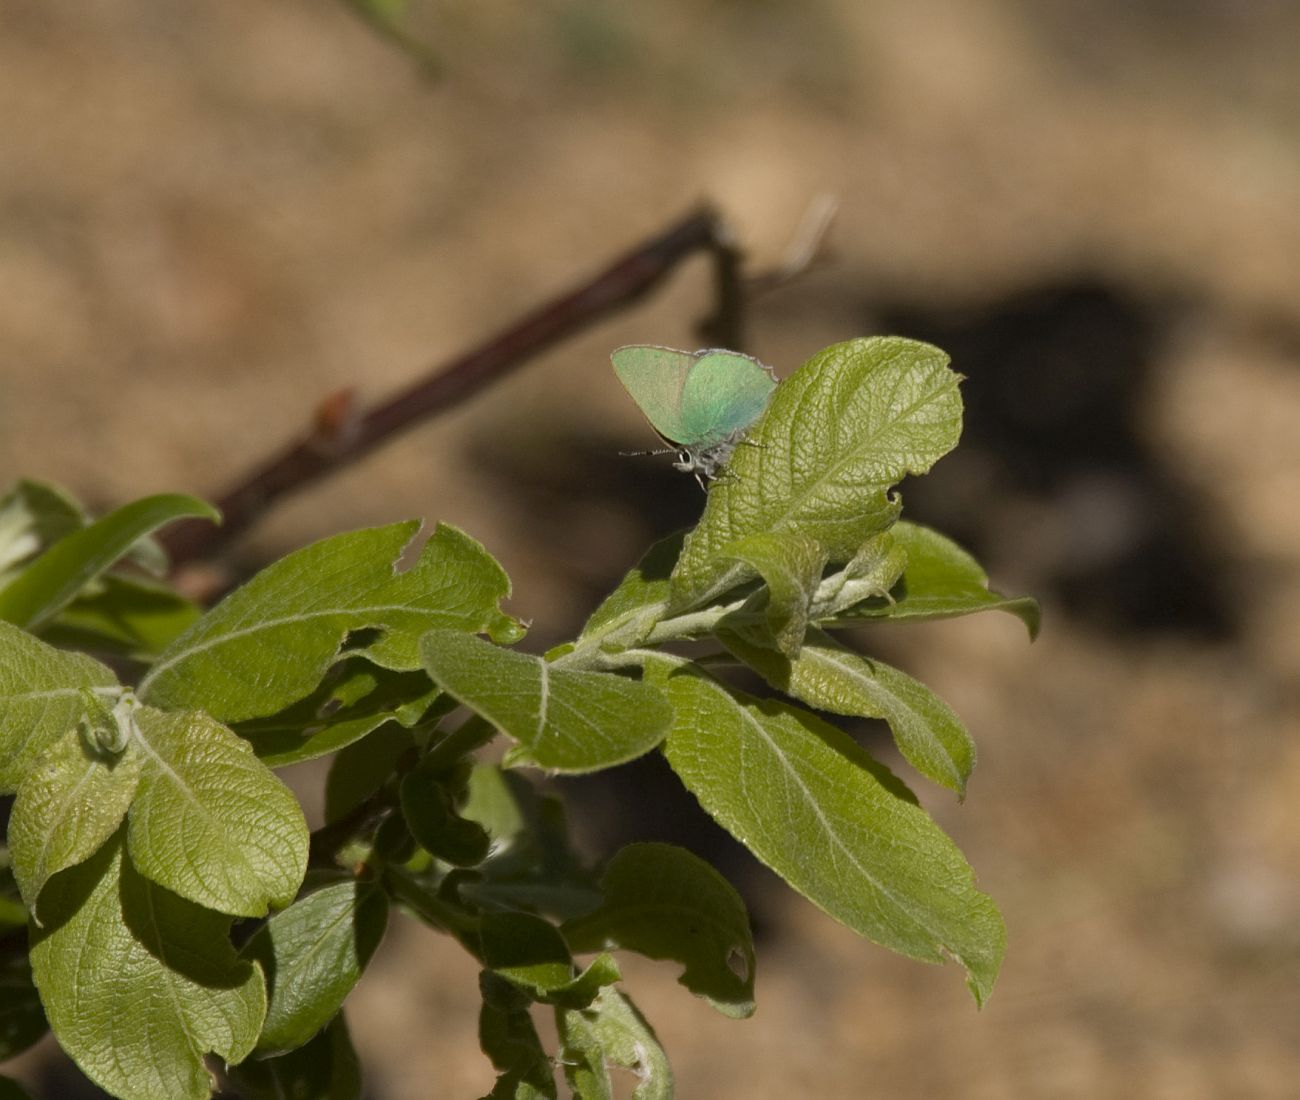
656, 378
725, 392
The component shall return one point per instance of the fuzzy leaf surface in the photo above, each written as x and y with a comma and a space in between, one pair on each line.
571, 721
791, 567
41, 698
71, 802
614, 1027
829, 677
210, 821
940, 581
836, 825
139, 984
269, 643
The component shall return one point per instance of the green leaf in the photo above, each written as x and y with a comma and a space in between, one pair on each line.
530, 952
22, 1020
326, 1068
124, 615
501, 802
665, 903
641, 597
138, 984
614, 1025
42, 696
32, 516
53, 580
791, 567
827, 676
850, 423
71, 802
942, 581
270, 642
509, 1039
834, 824
210, 821
312, 954
582, 1056
570, 721
430, 812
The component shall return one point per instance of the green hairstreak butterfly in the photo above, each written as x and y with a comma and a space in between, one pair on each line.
700, 402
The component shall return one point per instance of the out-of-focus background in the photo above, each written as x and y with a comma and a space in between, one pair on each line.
213, 214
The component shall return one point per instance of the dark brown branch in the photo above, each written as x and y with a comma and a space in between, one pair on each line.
341, 435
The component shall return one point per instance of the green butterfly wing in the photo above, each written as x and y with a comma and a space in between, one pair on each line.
725, 393
656, 377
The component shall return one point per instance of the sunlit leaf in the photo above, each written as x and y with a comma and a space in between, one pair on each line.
43, 692
139, 984
210, 821
834, 824
567, 720
269, 643
53, 580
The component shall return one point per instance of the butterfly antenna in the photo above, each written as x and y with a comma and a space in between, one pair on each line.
639, 454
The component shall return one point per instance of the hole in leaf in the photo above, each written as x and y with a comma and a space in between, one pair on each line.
738, 964
361, 638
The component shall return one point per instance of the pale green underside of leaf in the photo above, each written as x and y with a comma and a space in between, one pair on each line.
71, 802
941, 580
40, 698
829, 677
32, 516
567, 721
210, 821
53, 580
850, 423
138, 984
791, 567
613, 1031
269, 643
834, 824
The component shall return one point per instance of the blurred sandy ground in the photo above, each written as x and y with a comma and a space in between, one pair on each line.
214, 214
